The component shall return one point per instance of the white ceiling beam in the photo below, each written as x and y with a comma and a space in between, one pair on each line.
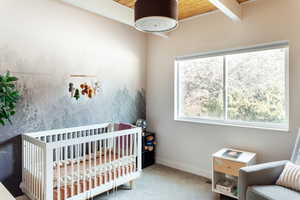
231, 8
109, 9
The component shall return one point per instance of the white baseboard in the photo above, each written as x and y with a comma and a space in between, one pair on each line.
184, 167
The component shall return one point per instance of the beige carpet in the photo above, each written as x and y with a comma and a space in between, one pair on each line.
163, 183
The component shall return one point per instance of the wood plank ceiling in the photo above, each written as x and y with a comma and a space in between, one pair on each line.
187, 8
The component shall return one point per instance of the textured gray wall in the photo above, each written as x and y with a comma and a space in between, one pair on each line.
46, 41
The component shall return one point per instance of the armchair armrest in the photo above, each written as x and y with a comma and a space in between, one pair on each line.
262, 174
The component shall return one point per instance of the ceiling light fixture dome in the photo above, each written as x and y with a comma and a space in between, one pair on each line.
156, 15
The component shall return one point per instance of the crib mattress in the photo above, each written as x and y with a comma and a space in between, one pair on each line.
90, 165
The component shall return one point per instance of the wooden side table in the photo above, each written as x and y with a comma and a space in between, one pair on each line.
225, 170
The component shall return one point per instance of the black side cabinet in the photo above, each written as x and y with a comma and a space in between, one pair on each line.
148, 149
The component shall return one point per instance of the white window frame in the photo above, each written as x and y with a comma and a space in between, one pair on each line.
204, 120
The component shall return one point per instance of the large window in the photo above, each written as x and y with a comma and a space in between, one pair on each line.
243, 87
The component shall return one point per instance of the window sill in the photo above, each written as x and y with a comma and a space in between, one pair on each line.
270, 127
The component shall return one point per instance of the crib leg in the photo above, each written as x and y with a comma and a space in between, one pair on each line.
128, 186
131, 185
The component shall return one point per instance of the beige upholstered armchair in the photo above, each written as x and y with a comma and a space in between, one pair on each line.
257, 182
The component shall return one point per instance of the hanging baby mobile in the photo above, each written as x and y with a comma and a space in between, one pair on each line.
84, 86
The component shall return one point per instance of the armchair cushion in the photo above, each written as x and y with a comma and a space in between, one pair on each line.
290, 177
271, 192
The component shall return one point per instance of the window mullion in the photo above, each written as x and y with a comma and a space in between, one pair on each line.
225, 98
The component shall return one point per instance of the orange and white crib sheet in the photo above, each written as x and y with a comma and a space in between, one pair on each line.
76, 177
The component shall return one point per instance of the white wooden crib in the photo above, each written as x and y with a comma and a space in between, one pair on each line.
79, 163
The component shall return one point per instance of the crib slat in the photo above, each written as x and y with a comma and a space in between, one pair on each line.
100, 156
114, 149
114, 159
43, 166
24, 161
58, 172
72, 169
38, 174
48, 185
123, 156
105, 161
65, 177
100, 152
29, 157
33, 169
29, 165
109, 156
56, 166
130, 152
126, 154
128, 149
44, 174
134, 151
90, 164
84, 167
119, 155
78, 172
95, 160
41, 173
127, 146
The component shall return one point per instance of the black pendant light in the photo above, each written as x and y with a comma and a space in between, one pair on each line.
156, 15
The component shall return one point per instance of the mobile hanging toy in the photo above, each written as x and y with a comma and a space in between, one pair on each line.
88, 90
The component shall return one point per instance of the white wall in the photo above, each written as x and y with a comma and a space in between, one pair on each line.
189, 146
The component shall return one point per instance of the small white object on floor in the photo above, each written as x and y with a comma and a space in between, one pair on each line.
22, 198
4, 194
